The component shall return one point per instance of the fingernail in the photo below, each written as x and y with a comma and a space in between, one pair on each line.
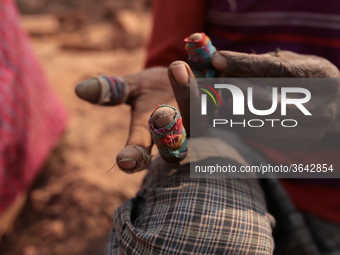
180, 73
219, 62
88, 90
127, 163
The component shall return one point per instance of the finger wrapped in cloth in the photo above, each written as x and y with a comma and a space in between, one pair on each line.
168, 133
103, 90
200, 51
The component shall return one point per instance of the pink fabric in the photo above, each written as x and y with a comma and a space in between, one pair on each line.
31, 117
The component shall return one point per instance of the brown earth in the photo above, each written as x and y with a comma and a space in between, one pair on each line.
69, 208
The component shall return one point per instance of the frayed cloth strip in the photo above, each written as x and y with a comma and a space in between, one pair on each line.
114, 90
200, 53
170, 140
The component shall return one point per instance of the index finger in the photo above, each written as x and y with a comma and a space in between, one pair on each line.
236, 64
104, 90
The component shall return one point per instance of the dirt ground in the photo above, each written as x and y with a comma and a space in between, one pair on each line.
69, 208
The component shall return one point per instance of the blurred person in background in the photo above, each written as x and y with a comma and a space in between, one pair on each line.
174, 214
31, 117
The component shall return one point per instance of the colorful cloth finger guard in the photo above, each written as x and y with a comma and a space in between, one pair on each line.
114, 90
200, 50
170, 140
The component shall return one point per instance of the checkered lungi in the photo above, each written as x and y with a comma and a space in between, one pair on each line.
176, 214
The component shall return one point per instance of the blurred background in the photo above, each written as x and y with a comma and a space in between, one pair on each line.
69, 208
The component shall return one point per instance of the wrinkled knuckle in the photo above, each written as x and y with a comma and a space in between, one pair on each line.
331, 71
275, 69
322, 68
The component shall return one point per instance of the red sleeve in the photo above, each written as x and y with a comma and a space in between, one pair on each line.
173, 20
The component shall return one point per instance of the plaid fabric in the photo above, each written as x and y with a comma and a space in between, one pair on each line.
31, 118
201, 216
176, 214
299, 233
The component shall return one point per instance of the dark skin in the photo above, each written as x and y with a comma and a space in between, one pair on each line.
161, 85
324, 103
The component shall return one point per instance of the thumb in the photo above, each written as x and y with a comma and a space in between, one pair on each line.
187, 96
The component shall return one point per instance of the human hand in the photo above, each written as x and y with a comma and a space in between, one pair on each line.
146, 90
324, 103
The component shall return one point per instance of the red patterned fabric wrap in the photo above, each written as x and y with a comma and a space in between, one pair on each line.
170, 140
